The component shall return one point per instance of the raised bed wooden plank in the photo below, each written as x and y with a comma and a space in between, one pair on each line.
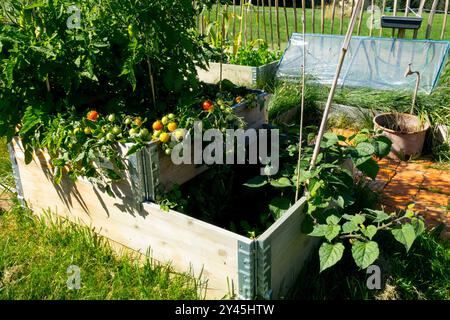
188, 243
282, 252
240, 75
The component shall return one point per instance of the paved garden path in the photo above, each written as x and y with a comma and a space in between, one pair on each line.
422, 182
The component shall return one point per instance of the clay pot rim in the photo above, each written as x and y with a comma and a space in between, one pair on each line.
426, 125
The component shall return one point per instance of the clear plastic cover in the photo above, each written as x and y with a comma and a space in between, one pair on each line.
378, 63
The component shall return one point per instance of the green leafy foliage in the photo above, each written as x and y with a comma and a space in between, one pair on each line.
115, 56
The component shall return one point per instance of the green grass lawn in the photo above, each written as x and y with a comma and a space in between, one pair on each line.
35, 257
253, 26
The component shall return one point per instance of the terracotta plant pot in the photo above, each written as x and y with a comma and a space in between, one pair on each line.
407, 133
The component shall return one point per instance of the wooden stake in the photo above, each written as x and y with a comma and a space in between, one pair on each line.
372, 18
271, 24
444, 23
333, 10
326, 112
234, 18
322, 19
360, 17
341, 18
277, 16
394, 14
313, 19
286, 22
257, 19
431, 19
295, 15
264, 22
382, 13
419, 12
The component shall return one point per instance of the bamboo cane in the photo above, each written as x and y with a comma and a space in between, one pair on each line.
302, 105
326, 112
221, 47
313, 19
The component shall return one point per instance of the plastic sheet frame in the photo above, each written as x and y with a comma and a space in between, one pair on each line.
377, 63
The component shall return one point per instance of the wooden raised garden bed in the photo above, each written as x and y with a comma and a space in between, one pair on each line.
240, 75
234, 265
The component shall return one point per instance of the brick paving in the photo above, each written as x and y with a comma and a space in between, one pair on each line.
422, 182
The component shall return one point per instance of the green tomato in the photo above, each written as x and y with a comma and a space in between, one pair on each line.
165, 120
131, 31
128, 121
133, 132
168, 151
110, 137
38, 32
171, 116
116, 130
112, 118
144, 133
76, 130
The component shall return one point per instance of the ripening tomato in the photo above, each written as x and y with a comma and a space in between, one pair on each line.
172, 126
157, 125
208, 105
164, 137
238, 99
138, 121
92, 115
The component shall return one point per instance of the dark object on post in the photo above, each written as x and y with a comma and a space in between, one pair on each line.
397, 22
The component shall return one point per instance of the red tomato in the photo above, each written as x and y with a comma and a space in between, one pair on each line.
208, 105
92, 116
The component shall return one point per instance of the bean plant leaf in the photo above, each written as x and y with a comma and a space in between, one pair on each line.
330, 139
282, 182
370, 231
349, 227
328, 231
419, 226
370, 168
382, 146
365, 149
330, 254
278, 206
380, 216
256, 182
405, 235
365, 253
